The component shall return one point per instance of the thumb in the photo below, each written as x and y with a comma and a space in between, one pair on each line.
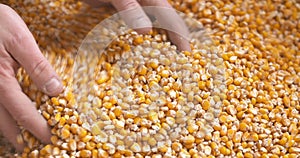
44, 76
37, 66
22, 46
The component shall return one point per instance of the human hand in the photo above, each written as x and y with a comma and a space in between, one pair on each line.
137, 19
18, 48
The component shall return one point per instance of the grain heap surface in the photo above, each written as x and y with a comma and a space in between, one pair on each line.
166, 106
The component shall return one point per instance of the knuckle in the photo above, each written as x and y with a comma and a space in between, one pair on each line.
38, 67
162, 3
17, 37
22, 118
3, 89
129, 4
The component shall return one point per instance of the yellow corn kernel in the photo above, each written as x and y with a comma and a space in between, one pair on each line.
254, 137
95, 153
108, 105
163, 148
47, 150
46, 115
205, 104
239, 155
126, 47
202, 85
240, 114
294, 150
102, 79
69, 96
297, 138
224, 150
192, 128
189, 139
176, 146
264, 156
243, 127
135, 148
142, 70
223, 118
138, 40
117, 112
165, 73
203, 62
283, 141
54, 139
152, 141
154, 64
54, 101
85, 153
153, 116
248, 155
81, 132
65, 133
286, 101
62, 122
90, 145
238, 81
72, 145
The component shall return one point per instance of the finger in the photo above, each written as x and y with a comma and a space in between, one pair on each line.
134, 16
169, 20
97, 3
182, 44
20, 43
22, 109
9, 128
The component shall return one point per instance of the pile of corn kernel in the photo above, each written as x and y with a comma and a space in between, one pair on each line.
259, 46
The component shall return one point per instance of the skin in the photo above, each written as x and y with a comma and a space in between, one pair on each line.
137, 19
18, 48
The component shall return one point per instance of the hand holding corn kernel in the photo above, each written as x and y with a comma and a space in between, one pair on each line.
18, 48
133, 14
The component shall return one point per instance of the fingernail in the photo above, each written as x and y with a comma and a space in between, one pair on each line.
141, 23
53, 86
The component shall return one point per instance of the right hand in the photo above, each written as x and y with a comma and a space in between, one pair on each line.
138, 19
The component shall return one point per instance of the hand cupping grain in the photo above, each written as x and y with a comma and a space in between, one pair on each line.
18, 48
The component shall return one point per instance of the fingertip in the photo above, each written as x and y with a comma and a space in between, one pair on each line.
19, 147
133, 15
184, 46
10, 129
142, 23
41, 130
46, 139
53, 87
144, 30
182, 43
